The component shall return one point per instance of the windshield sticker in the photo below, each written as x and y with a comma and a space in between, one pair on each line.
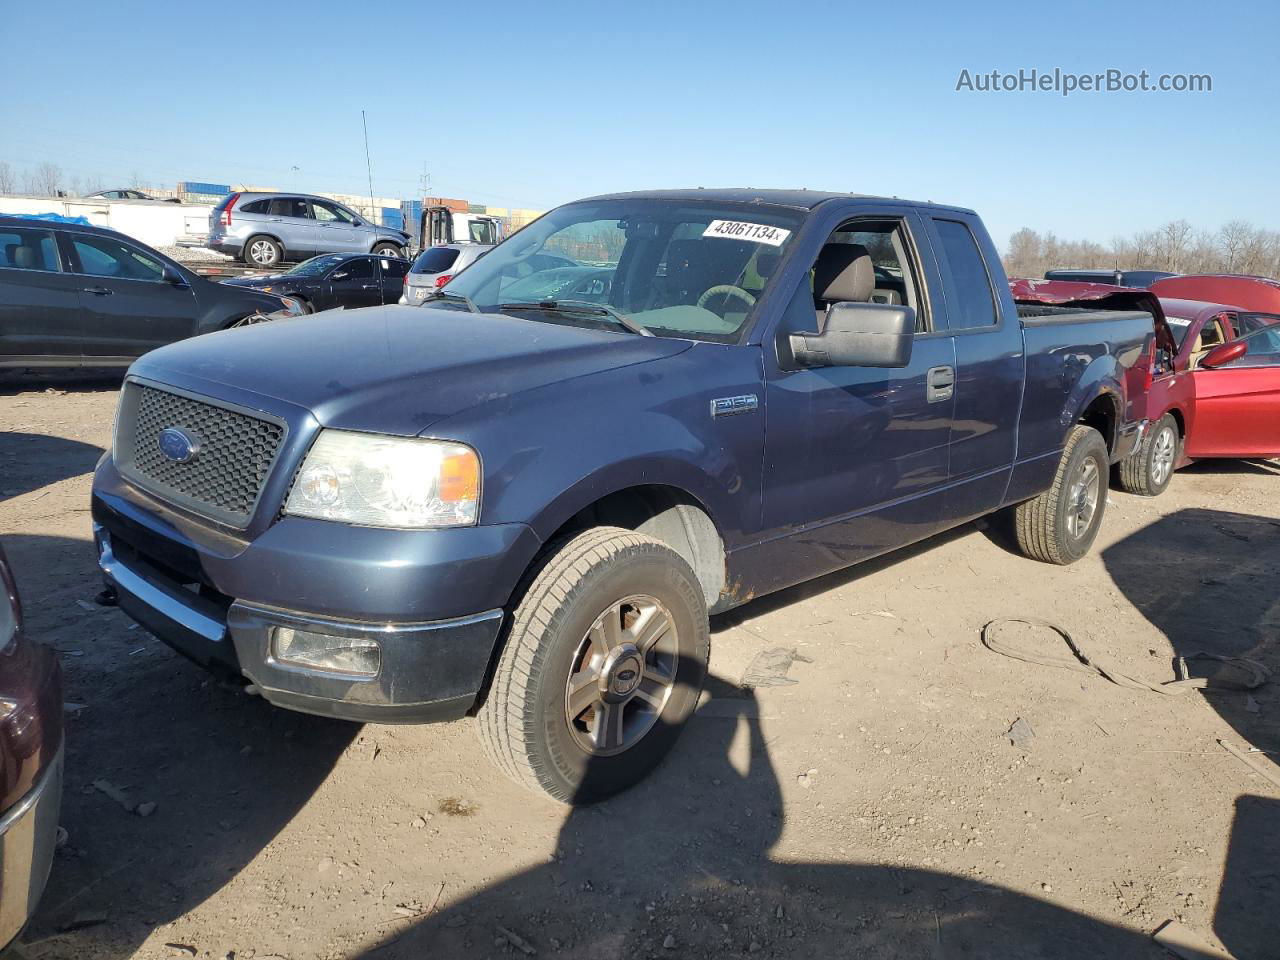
740, 230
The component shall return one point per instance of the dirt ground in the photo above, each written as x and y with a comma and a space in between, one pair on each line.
867, 802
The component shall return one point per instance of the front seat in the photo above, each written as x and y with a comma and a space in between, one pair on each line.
844, 272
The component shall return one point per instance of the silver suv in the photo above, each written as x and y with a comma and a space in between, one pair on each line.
265, 229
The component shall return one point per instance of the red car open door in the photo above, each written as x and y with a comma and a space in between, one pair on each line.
1238, 401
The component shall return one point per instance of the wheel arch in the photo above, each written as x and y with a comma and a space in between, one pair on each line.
668, 513
264, 235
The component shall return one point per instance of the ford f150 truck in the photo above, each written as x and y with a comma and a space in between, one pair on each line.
523, 509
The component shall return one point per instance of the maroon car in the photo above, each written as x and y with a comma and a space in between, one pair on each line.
30, 763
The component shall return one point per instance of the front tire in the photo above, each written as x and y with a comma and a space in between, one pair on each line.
604, 663
1060, 525
1147, 472
388, 250
263, 252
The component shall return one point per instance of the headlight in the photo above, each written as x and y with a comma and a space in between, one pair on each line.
378, 481
290, 304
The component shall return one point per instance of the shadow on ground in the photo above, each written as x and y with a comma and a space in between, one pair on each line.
680, 866
1209, 580
30, 461
227, 771
70, 380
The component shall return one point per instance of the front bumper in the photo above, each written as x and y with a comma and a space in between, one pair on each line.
28, 834
427, 671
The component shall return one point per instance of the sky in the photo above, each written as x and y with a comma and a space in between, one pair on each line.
535, 104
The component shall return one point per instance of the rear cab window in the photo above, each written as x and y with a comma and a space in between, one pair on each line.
970, 301
28, 249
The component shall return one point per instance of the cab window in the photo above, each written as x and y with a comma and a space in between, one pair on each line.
108, 257
22, 249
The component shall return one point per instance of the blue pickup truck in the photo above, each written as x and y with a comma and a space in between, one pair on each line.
522, 502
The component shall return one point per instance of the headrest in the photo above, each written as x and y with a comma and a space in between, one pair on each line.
24, 258
844, 272
766, 263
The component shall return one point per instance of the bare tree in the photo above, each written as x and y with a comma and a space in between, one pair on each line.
47, 179
1232, 239
7, 179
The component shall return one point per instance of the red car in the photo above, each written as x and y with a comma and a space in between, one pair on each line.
1215, 393
30, 764
1257, 294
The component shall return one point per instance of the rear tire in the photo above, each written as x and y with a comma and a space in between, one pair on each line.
613, 625
1060, 525
1148, 471
263, 252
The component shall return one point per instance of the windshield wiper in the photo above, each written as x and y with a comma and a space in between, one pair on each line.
450, 295
566, 306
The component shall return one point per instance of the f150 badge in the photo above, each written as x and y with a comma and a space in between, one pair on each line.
728, 406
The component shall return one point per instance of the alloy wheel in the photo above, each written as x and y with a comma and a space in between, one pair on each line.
622, 675
1163, 449
1083, 494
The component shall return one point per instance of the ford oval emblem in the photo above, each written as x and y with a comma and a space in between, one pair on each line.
177, 445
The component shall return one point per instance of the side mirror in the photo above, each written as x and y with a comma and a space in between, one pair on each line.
341, 275
170, 275
859, 335
1223, 354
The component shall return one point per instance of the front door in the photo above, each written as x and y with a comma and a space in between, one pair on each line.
336, 231
40, 318
858, 460
128, 306
1237, 405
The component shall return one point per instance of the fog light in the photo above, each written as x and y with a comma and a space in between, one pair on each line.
318, 651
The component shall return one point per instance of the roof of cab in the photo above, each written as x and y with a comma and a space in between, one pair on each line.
798, 199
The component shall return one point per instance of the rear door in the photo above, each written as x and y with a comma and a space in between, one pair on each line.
40, 317
336, 229
289, 218
989, 367
1237, 405
391, 273
355, 283
128, 306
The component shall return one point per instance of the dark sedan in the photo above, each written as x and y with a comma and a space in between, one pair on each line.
335, 280
30, 763
74, 295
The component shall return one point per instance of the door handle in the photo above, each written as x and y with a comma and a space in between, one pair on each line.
97, 291
275, 219
369, 286
940, 384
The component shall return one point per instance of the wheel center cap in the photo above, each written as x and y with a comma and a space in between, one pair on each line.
622, 673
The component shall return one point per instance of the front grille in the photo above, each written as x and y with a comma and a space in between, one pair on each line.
225, 477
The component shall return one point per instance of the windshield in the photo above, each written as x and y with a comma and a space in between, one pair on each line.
315, 266
678, 269
1178, 327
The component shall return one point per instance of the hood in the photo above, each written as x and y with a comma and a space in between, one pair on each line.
1098, 296
395, 369
257, 281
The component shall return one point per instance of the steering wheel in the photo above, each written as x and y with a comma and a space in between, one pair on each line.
728, 290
